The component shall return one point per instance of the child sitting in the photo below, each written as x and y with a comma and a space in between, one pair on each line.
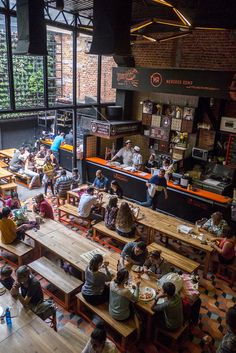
6, 278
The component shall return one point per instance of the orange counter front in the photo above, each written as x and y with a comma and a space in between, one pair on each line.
187, 204
65, 147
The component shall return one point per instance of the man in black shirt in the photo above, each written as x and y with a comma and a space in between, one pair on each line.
155, 186
27, 288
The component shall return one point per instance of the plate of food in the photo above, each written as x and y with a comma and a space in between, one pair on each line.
146, 294
136, 268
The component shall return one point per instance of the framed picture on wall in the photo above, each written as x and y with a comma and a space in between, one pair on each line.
189, 113
147, 107
169, 110
158, 109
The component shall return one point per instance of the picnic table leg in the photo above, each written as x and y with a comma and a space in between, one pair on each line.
67, 301
68, 198
20, 261
149, 327
206, 265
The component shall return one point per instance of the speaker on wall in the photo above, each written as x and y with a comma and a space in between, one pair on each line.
31, 26
111, 23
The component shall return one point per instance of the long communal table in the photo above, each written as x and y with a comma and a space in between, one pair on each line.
166, 225
7, 154
6, 175
28, 332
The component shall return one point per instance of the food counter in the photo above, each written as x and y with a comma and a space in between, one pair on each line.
187, 204
65, 154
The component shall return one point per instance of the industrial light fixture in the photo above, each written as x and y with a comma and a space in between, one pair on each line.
181, 17
170, 23
174, 37
140, 26
59, 4
162, 2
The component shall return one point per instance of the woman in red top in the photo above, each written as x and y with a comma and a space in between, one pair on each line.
225, 246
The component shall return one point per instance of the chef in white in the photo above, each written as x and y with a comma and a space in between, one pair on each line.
137, 158
126, 153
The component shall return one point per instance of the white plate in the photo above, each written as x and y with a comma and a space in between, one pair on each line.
149, 291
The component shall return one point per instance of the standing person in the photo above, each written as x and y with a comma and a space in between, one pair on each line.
43, 207
100, 182
30, 293
137, 158
111, 213
126, 153
76, 178
116, 189
53, 159
30, 170
121, 296
69, 138
48, 175
228, 344
97, 274
57, 142
170, 313
215, 224
151, 163
155, 186
63, 184
99, 343
125, 221
134, 253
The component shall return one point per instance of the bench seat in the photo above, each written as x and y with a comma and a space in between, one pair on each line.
100, 228
124, 329
57, 276
71, 210
177, 260
19, 249
74, 336
7, 187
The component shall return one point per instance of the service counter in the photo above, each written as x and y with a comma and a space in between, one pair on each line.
186, 204
65, 154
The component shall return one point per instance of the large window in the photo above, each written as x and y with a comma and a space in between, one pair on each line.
4, 83
87, 66
60, 66
28, 76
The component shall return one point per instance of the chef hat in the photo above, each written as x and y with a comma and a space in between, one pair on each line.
128, 141
136, 148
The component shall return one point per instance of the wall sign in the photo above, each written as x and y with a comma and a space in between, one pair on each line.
114, 129
203, 83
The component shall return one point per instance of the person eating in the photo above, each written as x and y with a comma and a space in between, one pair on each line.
100, 182
133, 253
155, 265
215, 224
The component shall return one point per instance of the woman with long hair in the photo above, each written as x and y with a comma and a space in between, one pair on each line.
97, 274
116, 189
125, 221
121, 296
111, 213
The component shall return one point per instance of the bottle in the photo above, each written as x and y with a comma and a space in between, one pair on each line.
8, 317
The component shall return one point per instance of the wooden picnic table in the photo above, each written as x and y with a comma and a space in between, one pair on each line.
7, 154
6, 175
166, 225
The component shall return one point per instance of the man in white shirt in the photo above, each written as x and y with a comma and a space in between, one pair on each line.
87, 202
126, 153
137, 158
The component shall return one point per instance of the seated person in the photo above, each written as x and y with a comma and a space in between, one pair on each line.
116, 189
76, 178
94, 289
87, 203
125, 221
100, 182
121, 296
228, 344
133, 253
170, 313
155, 265
99, 343
30, 170
215, 224
6, 278
42, 152
63, 184
13, 202
27, 288
43, 207
9, 230
151, 163
225, 246
16, 163
111, 213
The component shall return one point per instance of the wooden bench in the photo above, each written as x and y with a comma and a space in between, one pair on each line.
175, 259
3, 164
100, 228
19, 249
4, 188
173, 336
124, 329
22, 178
70, 210
74, 337
55, 275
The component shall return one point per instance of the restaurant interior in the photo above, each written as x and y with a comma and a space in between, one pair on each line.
110, 110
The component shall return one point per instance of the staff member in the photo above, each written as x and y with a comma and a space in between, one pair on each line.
69, 138
57, 142
155, 186
126, 153
137, 158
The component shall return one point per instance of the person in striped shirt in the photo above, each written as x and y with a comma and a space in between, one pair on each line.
63, 184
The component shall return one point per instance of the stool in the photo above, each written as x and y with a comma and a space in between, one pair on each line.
4, 188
